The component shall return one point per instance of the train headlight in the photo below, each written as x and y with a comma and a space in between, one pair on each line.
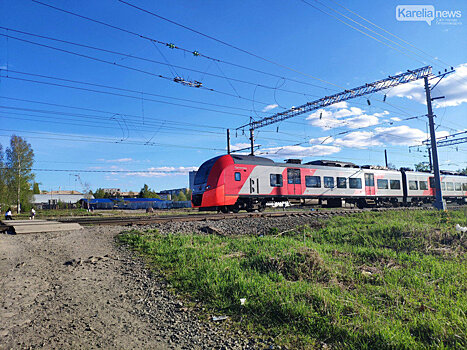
208, 187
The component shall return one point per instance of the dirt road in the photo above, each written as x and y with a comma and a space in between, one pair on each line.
78, 290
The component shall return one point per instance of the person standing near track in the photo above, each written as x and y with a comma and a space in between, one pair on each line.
32, 214
8, 214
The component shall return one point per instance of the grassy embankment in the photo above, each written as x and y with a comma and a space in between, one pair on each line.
375, 280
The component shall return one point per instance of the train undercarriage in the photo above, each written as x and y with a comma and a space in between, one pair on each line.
259, 204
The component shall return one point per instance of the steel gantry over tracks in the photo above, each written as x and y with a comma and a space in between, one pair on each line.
389, 82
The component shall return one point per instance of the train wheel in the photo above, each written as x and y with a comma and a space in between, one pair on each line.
235, 208
224, 209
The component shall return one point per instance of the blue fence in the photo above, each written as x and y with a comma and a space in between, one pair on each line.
134, 203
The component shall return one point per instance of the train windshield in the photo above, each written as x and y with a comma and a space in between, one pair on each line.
203, 171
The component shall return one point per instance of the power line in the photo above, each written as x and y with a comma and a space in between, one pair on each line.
158, 62
363, 26
361, 31
227, 44
123, 95
124, 66
172, 46
112, 171
104, 124
91, 139
395, 36
111, 113
127, 90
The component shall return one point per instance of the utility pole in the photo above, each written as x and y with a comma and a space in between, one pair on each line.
439, 204
252, 142
228, 141
429, 158
386, 157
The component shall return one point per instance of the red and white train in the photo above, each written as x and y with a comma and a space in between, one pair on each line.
235, 182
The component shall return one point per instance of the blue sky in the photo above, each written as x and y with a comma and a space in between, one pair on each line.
166, 128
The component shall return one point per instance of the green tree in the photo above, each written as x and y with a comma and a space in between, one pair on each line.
462, 171
422, 166
19, 162
180, 197
100, 193
35, 188
146, 192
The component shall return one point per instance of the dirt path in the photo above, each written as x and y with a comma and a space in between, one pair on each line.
54, 296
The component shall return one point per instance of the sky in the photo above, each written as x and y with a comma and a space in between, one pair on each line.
146, 92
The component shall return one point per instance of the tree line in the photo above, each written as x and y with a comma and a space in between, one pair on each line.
16, 176
145, 192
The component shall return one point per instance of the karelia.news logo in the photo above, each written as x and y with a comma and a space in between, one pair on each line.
427, 13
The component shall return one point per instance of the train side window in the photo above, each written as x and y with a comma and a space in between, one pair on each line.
432, 182
464, 186
276, 180
341, 182
313, 181
458, 186
328, 182
238, 176
449, 186
395, 184
382, 184
413, 185
423, 185
355, 183
443, 186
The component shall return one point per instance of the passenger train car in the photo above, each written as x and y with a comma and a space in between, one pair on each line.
235, 182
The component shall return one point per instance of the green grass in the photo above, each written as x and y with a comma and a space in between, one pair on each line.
394, 280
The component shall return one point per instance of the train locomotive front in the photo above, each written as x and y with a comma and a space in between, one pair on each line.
209, 185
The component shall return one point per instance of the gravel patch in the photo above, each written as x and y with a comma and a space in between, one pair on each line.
80, 290
244, 226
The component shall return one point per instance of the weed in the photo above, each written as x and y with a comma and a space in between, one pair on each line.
393, 280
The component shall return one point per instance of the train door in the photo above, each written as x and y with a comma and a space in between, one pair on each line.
294, 186
370, 184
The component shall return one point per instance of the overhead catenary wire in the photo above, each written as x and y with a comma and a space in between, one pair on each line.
122, 95
204, 126
128, 90
172, 46
125, 66
361, 31
227, 44
166, 63
155, 171
96, 139
393, 35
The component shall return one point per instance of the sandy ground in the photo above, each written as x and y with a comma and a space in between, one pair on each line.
79, 290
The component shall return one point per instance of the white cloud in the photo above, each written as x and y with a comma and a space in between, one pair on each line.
300, 151
453, 87
396, 119
119, 160
238, 146
358, 139
398, 135
356, 118
269, 107
342, 104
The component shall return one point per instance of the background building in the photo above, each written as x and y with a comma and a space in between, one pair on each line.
191, 179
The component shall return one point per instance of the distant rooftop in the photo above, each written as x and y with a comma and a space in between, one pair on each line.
61, 192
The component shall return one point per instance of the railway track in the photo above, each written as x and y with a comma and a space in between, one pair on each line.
146, 220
